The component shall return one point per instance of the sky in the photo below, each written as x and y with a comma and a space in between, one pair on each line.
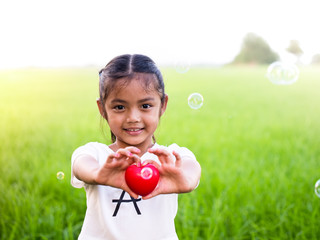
75, 33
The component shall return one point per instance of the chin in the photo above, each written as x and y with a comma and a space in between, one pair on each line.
136, 143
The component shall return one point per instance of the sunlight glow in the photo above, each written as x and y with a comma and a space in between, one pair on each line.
78, 33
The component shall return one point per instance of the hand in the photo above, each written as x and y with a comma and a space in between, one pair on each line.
112, 172
174, 178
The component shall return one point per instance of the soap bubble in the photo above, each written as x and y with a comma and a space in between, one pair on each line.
195, 100
182, 66
60, 175
317, 188
282, 73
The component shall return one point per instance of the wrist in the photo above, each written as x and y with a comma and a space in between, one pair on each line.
96, 177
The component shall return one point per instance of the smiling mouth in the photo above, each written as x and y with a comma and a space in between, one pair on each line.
133, 131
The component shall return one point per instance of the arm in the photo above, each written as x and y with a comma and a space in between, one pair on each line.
111, 173
85, 168
179, 175
192, 170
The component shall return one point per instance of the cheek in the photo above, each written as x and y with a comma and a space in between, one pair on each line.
154, 118
113, 119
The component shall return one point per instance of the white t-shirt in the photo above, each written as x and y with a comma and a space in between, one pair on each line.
113, 214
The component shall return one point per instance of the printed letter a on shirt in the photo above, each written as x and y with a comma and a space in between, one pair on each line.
121, 200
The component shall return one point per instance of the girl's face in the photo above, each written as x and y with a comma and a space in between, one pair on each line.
133, 114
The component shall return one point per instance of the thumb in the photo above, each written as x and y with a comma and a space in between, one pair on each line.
131, 193
154, 193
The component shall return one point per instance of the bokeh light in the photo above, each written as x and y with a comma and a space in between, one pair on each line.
182, 66
60, 176
317, 188
282, 73
195, 100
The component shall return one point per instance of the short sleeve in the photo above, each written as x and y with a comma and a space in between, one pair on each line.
184, 153
88, 149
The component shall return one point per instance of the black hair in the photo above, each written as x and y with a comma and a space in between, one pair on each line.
126, 67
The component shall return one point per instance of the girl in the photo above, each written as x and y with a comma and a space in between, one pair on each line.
132, 100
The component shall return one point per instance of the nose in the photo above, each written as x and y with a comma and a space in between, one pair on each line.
133, 116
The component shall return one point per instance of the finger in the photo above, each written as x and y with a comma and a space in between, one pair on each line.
178, 158
134, 159
163, 155
151, 195
126, 188
154, 163
112, 157
124, 152
158, 151
130, 192
133, 150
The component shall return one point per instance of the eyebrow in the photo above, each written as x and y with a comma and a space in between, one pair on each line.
117, 100
146, 99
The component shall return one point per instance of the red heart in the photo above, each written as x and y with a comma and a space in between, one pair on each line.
142, 180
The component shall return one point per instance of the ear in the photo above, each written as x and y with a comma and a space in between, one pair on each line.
164, 105
100, 106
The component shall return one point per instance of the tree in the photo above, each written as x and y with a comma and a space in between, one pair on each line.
255, 50
295, 49
316, 59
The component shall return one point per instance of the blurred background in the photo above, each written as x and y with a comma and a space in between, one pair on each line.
43, 33
256, 140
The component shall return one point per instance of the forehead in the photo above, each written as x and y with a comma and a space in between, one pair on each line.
141, 82
133, 90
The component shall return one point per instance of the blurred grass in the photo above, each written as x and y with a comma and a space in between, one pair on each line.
258, 145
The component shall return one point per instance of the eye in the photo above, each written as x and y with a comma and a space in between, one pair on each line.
146, 106
119, 107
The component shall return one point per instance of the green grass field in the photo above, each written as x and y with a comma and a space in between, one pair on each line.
258, 145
